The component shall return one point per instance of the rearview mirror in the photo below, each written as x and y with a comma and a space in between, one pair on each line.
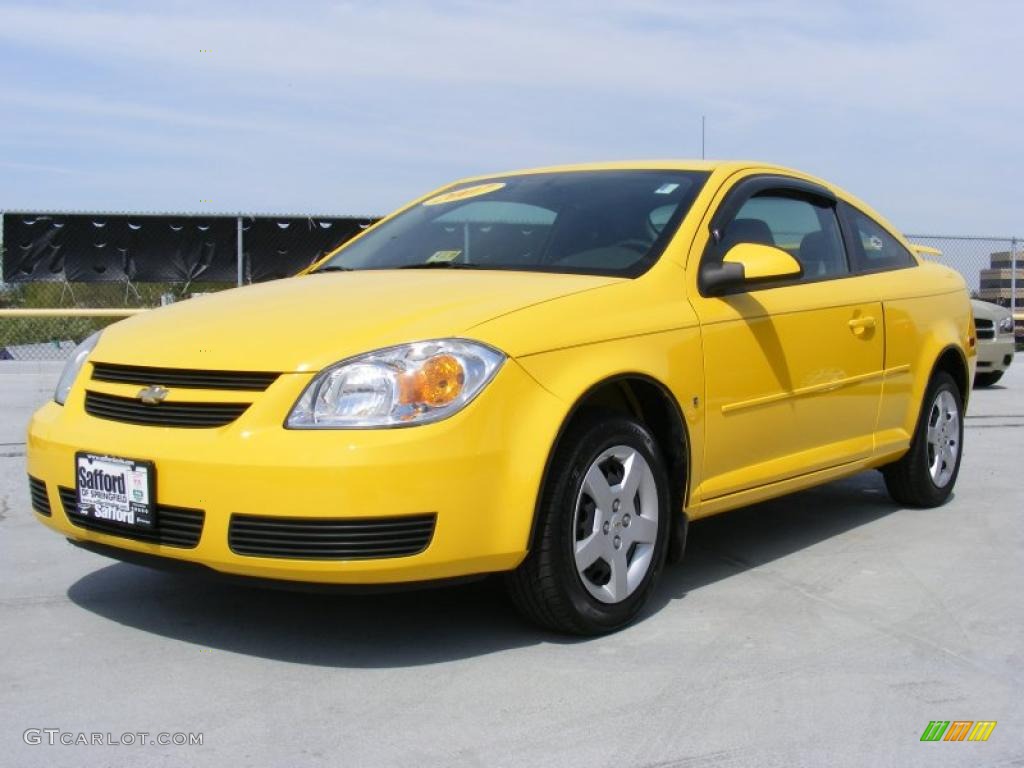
745, 264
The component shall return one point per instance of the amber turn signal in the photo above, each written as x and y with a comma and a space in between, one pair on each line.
438, 381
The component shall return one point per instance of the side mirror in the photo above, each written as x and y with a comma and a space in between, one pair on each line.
745, 264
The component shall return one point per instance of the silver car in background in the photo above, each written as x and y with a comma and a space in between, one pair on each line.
995, 341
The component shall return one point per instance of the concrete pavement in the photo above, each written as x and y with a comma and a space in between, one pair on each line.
826, 628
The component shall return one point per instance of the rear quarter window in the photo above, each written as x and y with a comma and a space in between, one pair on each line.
874, 249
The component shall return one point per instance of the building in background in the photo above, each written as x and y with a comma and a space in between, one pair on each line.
998, 284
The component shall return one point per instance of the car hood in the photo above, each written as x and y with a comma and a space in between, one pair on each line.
304, 323
989, 311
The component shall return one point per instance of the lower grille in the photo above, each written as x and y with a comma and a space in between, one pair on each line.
175, 526
174, 414
330, 539
37, 492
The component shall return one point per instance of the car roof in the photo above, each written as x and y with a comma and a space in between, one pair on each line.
721, 168
630, 165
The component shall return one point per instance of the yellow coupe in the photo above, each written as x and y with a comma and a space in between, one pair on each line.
545, 374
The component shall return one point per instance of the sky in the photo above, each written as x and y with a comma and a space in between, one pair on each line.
355, 107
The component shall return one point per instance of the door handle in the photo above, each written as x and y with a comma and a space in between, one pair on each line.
859, 325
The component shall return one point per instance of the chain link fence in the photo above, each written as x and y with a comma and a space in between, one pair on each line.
66, 275
993, 268
54, 301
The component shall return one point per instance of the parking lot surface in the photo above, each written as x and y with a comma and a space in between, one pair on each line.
825, 628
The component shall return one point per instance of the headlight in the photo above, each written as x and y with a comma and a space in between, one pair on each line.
1006, 325
73, 366
396, 387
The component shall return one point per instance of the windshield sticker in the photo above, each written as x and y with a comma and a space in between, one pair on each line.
666, 189
462, 194
443, 256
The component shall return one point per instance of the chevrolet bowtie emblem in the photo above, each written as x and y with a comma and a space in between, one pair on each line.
153, 395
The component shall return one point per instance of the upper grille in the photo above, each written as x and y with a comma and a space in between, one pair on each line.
254, 381
330, 539
37, 492
986, 328
175, 526
166, 414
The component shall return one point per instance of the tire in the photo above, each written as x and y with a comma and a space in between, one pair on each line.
925, 475
587, 497
987, 379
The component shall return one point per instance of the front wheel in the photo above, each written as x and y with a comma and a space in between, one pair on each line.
602, 529
926, 474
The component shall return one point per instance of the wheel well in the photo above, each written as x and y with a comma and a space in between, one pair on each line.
649, 402
952, 362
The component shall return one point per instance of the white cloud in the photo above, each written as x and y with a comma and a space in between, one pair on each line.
796, 46
393, 97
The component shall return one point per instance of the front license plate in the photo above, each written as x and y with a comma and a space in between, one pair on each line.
115, 490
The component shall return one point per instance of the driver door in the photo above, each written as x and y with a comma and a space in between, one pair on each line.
793, 369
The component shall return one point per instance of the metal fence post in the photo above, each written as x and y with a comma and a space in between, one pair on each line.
1013, 274
240, 251
2, 254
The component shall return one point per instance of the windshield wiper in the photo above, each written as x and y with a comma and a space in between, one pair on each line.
443, 265
333, 268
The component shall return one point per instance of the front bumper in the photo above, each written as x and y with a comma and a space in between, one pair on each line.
995, 354
477, 471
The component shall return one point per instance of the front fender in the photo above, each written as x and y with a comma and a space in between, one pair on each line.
672, 359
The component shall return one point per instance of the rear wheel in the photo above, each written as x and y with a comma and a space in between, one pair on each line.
987, 379
602, 529
926, 474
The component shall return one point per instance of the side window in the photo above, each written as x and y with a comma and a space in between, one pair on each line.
806, 229
873, 247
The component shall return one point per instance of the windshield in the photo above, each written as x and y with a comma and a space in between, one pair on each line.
588, 222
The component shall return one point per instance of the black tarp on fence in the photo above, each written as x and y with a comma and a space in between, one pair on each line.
89, 248
279, 247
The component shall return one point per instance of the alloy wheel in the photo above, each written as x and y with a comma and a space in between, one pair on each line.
943, 437
616, 524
